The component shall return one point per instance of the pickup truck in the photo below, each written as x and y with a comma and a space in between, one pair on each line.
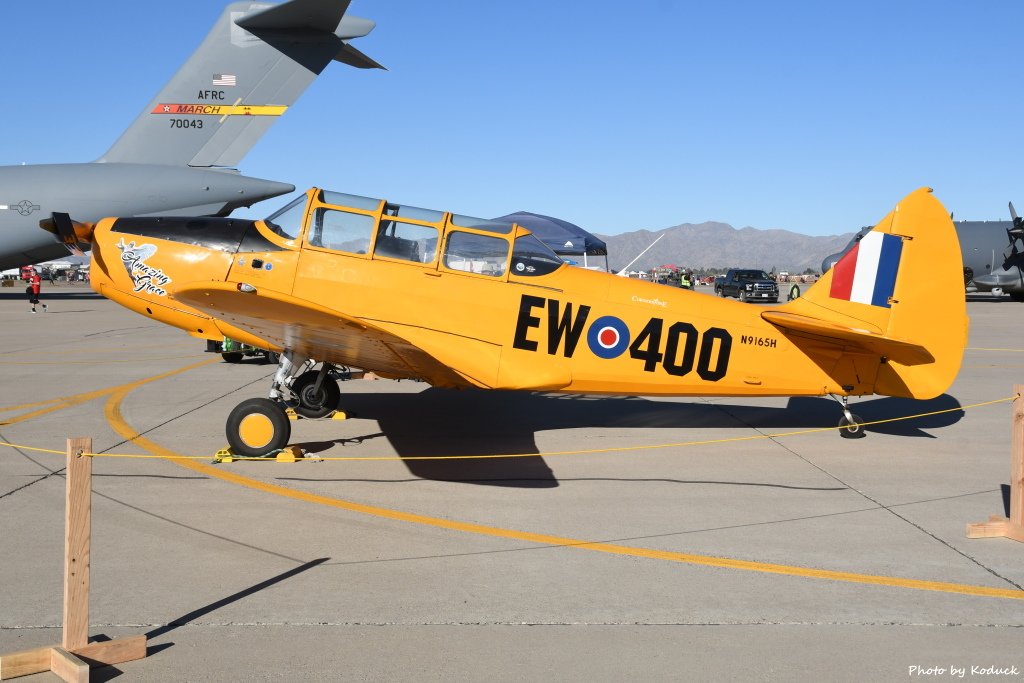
747, 285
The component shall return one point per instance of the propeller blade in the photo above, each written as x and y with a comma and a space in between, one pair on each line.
1014, 216
68, 232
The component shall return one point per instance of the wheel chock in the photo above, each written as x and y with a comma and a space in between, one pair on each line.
223, 455
336, 415
287, 454
290, 454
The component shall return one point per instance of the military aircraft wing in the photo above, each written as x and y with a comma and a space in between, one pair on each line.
285, 321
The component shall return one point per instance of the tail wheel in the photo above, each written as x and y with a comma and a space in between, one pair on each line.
313, 403
232, 356
794, 292
851, 429
257, 427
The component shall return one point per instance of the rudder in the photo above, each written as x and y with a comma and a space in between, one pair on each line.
897, 294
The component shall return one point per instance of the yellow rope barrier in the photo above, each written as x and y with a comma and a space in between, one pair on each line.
30, 448
613, 449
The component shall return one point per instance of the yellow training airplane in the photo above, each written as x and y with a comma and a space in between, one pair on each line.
456, 301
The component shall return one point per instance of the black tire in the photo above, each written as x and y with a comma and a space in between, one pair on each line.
315, 404
720, 292
232, 356
794, 292
852, 430
257, 426
743, 296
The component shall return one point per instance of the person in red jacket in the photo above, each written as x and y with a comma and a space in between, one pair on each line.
35, 283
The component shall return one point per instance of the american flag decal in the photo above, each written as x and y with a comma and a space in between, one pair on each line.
224, 79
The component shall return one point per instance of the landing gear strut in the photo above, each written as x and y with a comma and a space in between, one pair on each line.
850, 426
259, 426
316, 392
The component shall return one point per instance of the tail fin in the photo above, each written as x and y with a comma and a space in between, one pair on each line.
898, 295
256, 61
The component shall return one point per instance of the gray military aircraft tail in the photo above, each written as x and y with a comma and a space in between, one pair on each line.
177, 157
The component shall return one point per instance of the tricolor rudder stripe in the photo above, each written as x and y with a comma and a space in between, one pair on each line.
867, 274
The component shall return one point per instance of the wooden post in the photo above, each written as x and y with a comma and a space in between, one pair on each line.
1012, 527
72, 658
77, 533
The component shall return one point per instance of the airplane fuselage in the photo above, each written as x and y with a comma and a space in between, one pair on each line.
88, 192
460, 302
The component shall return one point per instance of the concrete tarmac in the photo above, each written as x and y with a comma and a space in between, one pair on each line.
802, 557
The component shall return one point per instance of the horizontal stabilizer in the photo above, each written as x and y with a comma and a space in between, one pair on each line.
314, 15
873, 342
353, 57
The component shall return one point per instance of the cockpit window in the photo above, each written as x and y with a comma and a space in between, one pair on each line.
287, 222
500, 227
413, 212
531, 257
406, 241
342, 231
352, 200
476, 253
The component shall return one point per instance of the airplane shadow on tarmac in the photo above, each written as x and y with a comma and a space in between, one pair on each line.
443, 422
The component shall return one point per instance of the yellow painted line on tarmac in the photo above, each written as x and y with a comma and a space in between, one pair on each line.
112, 411
63, 402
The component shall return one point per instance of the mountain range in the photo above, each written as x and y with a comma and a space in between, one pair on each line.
721, 246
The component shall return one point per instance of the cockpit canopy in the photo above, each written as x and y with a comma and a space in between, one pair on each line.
375, 228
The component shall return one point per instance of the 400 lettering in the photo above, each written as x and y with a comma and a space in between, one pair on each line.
679, 349
186, 123
682, 341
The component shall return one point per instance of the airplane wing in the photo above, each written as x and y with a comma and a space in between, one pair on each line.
288, 322
897, 350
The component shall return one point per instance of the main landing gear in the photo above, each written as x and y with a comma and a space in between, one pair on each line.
851, 426
259, 426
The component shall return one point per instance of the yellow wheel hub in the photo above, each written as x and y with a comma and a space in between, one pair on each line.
256, 431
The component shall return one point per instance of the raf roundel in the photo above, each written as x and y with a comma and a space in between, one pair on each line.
608, 337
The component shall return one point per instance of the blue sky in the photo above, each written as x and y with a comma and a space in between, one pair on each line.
809, 116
